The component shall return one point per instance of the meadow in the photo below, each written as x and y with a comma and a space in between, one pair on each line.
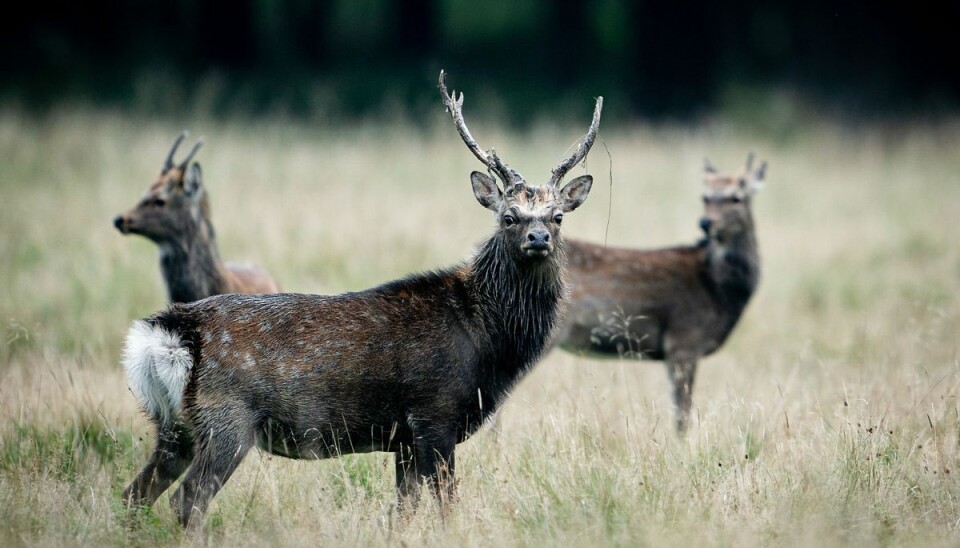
830, 416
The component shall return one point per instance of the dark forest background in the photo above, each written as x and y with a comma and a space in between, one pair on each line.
344, 58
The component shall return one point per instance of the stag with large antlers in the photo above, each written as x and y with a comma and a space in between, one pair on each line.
411, 367
174, 212
677, 304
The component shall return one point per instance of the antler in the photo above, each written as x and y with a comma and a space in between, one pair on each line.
196, 147
749, 165
169, 163
454, 105
708, 166
583, 148
761, 171
173, 150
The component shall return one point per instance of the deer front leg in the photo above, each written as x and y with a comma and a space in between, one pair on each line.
413, 465
408, 479
431, 458
682, 370
171, 456
438, 464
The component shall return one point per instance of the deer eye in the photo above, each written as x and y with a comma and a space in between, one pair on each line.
558, 218
736, 199
158, 202
509, 220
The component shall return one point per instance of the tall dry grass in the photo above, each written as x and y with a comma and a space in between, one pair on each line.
830, 417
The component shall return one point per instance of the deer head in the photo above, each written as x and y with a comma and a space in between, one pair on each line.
529, 216
174, 204
726, 200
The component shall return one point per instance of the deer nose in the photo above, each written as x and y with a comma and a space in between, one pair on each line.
118, 222
705, 224
539, 239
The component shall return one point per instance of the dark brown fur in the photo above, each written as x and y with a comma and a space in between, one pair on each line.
676, 304
412, 367
175, 213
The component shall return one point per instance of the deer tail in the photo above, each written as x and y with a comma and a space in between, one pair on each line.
158, 364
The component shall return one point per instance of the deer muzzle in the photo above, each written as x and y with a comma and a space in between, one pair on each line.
538, 244
705, 224
122, 224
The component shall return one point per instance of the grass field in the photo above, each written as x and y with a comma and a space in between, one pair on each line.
830, 417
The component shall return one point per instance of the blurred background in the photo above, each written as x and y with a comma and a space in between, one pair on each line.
831, 417
749, 59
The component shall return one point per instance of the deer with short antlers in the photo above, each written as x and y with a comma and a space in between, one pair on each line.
411, 367
175, 213
677, 304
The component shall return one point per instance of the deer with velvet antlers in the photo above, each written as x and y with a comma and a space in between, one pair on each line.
174, 213
411, 367
677, 304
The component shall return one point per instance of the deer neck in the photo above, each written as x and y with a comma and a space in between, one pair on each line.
191, 265
734, 267
519, 304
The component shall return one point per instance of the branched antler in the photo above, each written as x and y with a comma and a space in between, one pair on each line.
582, 149
454, 105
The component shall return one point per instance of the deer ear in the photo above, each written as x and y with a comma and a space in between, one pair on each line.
193, 181
574, 193
757, 178
486, 190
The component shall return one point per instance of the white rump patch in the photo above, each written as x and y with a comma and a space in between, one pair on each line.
158, 369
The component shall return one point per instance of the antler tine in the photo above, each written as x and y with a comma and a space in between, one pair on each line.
749, 165
761, 171
176, 144
512, 176
454, 106
708, 166
193, 151
582, 150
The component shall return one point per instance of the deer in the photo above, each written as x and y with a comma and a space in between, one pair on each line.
677, 304
174, 213
412, 367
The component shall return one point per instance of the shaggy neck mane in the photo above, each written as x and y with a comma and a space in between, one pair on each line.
519, 303
191, 265
735, 269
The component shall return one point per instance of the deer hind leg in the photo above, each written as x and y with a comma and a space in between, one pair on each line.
682, 372
220, 449
170, 457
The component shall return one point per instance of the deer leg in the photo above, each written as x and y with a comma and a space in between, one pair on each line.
218, 455
408, 479
437, 465
170, 457
682, 373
